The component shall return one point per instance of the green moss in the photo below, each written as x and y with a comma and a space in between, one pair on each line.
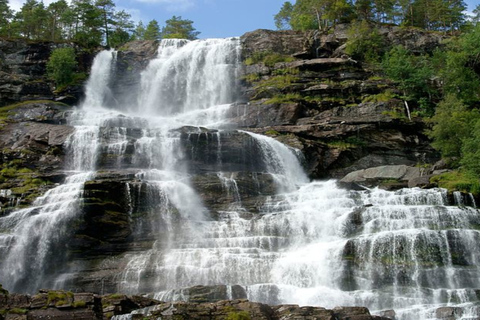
284, 98
284, 71
17, 311
279, 82
114, 296
395, 114
79, 304
268, 58
252, 77
238, 315
272, 133
342, 145
458, 181
381, 97
59, 297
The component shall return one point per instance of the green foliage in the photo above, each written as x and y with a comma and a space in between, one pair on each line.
152, 32
17, 311
471, 149
61, 66
453, 122
268, 58
238, 315
458, 181
79, 304
59, 297
276, 83
282, 18
178, 28
385, 96
439, 15
364, 42
252, 77
284, 98
413, 75
458, 66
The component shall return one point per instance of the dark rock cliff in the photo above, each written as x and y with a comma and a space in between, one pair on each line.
23, 72
338, 111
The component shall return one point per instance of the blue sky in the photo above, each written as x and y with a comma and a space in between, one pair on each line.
213, 18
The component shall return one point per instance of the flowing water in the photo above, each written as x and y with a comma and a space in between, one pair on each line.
268, 229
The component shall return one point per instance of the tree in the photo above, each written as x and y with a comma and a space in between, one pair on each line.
152, 32
32, 20
123, 29
176, 27
413, 75
6, 15
470, 150
61, 66
476, 12
364, 42
139, 32
106, 8
314, 14
282, 18
88, 23
452, 124
57, 23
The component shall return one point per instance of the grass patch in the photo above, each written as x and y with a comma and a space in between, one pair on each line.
252, 77
17, 311
381, 97
272, 133
342, 145
284, 98
458, 181
79, 304
268, 58
238, 315
278, 83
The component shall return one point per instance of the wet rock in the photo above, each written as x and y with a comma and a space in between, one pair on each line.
286, 312
390, 314
448, 313
373, 176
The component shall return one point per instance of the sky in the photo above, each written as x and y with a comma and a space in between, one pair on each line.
213, 18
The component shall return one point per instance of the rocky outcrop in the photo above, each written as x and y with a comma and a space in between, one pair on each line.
63, 305
342, 115
32, 150
23, 73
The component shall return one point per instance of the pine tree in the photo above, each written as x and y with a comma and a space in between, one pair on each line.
152, 32
179, 28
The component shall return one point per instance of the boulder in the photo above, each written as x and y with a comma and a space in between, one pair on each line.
390, 174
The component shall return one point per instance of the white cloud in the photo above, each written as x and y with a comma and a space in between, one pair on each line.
173, 5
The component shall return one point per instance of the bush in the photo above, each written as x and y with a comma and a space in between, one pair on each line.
453, 124
364, 42
61, 66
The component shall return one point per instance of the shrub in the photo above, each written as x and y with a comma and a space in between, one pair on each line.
61, 66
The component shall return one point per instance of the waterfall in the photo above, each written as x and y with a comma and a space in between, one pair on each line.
208, 205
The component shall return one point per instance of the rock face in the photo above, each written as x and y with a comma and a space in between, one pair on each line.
23, 72
32, 151
62, 305
341, 115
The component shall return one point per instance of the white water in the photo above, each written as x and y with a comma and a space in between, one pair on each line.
311, 243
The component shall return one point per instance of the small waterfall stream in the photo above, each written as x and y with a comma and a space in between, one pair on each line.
281, 237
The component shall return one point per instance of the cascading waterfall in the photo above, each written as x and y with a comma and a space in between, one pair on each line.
302, 242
